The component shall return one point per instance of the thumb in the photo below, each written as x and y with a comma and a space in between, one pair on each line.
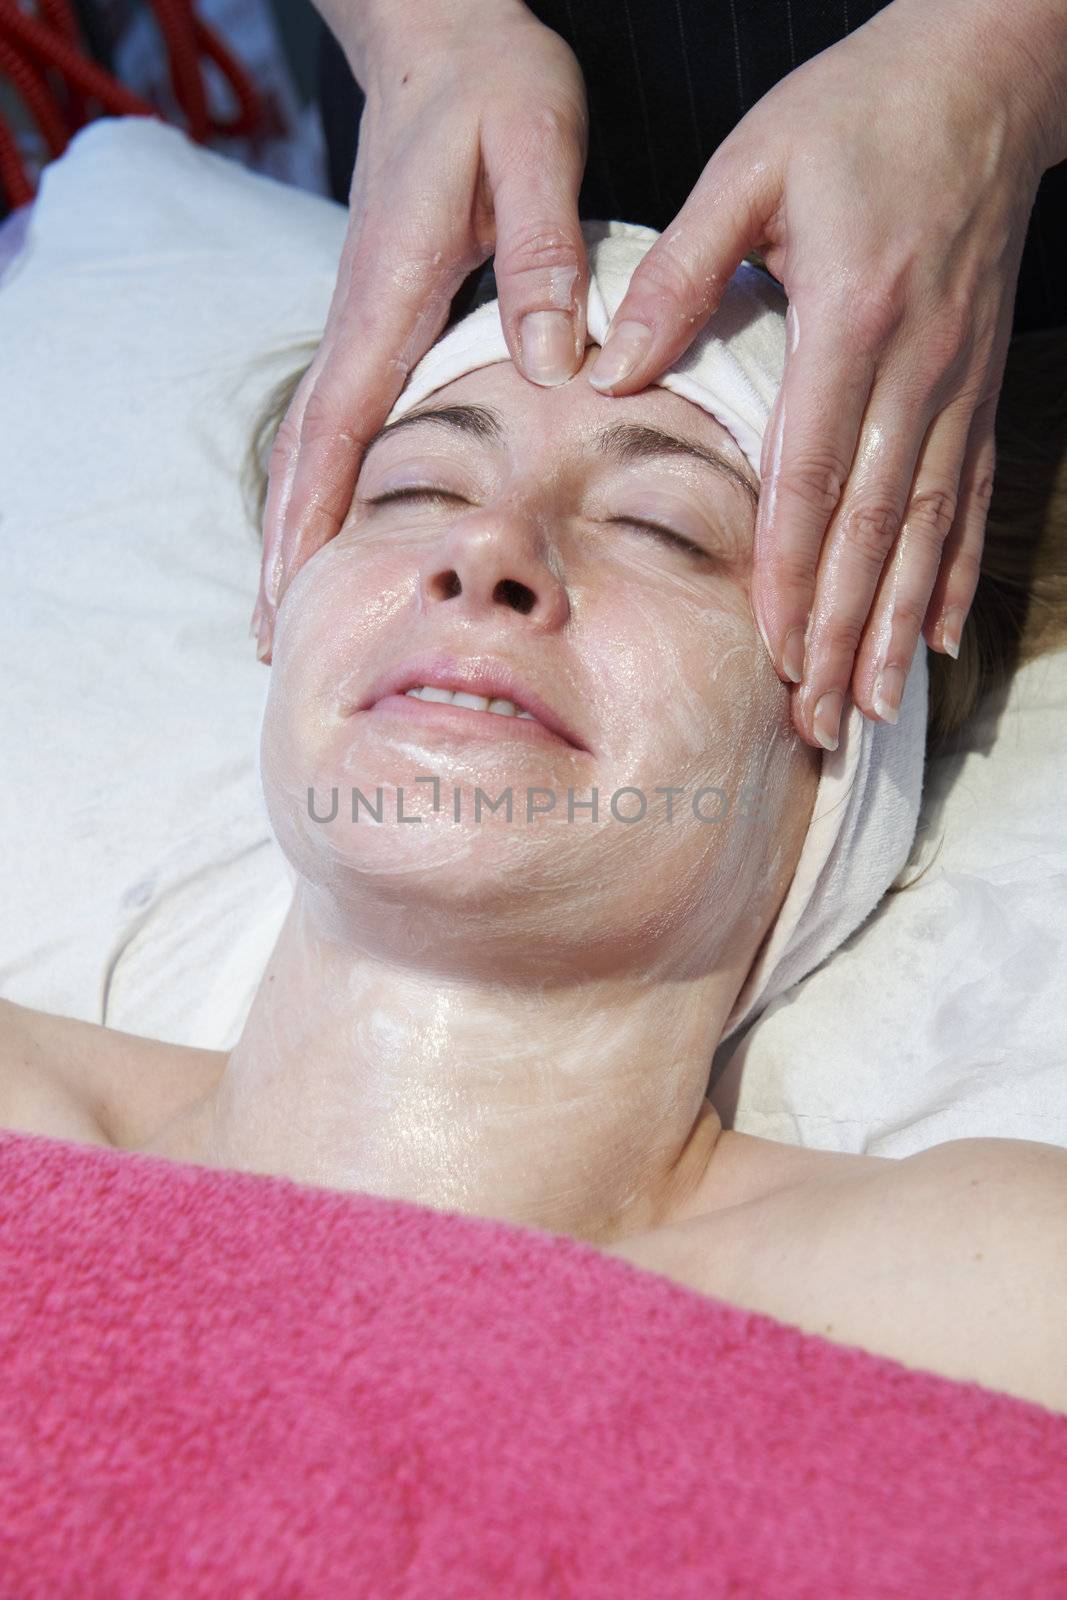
678, 284
540, 261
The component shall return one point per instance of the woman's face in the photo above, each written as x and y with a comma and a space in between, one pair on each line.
560, 535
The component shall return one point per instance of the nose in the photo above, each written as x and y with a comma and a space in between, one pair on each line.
496, 558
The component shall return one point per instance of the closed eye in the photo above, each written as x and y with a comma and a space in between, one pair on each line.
656, 528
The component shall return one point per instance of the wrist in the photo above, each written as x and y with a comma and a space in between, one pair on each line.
1038, 31
1020, 48
376, 34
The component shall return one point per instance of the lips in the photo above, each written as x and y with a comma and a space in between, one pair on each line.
494, 678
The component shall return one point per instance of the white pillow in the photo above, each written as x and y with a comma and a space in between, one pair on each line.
142, 326
153, 309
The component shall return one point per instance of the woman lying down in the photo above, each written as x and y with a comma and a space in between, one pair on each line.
510, 1010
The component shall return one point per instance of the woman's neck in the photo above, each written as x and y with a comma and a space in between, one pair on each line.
577, 1107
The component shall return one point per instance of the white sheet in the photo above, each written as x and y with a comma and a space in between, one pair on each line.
141, 328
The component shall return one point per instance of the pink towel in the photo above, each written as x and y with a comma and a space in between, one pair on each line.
218, 1384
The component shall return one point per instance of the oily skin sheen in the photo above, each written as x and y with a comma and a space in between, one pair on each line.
517, 1019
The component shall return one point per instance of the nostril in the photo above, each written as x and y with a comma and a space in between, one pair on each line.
515, 594
509, 591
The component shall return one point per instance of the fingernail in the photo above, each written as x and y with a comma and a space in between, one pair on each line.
257, 617
828, 718
763, 635
626, 345
793, 654
888, 688
274, 576
548, 348
263, 642
951, 629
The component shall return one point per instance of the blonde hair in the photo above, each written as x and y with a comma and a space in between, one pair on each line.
1019, 610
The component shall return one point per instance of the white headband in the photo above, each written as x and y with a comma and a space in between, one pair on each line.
867, 801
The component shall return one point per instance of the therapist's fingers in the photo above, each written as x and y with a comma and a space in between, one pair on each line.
957, 582
961, 562
280, 470
879, 567
678, 283
392, 299
407, 250
894, 561
457, 112
928, 584
392, 296
818, 412
540, 262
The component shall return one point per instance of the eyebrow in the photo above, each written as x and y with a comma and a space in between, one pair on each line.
626, 442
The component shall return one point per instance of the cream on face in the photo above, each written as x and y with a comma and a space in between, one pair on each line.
541, 531
516, 1017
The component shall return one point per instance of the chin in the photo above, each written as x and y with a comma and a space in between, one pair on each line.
426, 859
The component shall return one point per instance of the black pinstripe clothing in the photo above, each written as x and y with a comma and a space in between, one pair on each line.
667, 80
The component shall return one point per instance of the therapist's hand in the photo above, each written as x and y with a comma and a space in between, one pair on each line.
472, 142
887, 184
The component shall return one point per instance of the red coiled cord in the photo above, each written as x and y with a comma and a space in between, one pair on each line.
30, 48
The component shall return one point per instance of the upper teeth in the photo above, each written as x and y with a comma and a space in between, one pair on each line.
476, 702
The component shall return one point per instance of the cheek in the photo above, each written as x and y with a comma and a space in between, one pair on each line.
684, 677
691, 702
333, 626
333, 621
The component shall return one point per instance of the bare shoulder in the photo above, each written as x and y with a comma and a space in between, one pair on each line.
989, 1158
952, 1261
965, 1246
79, 1080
